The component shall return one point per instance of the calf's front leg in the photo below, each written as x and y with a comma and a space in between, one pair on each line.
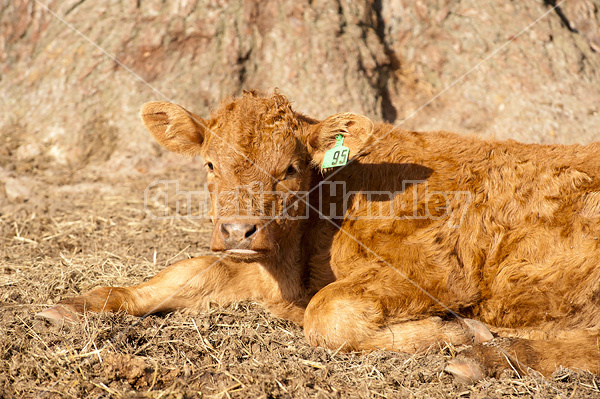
188, 284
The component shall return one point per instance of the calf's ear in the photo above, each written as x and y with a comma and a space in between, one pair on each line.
356, 129
174, 128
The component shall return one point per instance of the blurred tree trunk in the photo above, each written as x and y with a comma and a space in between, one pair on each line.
77, 102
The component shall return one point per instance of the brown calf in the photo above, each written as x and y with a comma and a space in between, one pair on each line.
389, 250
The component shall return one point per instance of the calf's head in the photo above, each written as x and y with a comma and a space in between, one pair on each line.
261, 159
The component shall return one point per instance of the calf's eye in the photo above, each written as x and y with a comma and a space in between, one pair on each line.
210, 166
290, 171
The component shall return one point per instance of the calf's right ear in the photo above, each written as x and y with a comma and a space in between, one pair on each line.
175, 128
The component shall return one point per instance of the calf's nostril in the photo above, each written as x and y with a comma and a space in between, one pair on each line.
224, 230
250, 231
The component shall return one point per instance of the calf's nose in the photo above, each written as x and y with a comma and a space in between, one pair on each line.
235, 233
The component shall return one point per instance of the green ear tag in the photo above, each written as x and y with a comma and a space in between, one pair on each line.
338, 155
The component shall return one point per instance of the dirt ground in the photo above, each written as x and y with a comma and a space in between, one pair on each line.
81, 229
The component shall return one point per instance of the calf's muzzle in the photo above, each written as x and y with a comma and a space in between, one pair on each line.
235, 237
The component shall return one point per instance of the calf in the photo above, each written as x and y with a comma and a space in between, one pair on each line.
416, 239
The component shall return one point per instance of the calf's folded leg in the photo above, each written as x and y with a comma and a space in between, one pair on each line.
340, 316
344, 315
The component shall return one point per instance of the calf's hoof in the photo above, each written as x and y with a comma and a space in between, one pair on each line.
480, 332
492, 359
60, 313
465, 370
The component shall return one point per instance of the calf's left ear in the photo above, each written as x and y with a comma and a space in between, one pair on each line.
356, 129
175, 128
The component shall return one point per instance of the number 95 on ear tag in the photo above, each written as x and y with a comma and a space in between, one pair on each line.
338, 155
